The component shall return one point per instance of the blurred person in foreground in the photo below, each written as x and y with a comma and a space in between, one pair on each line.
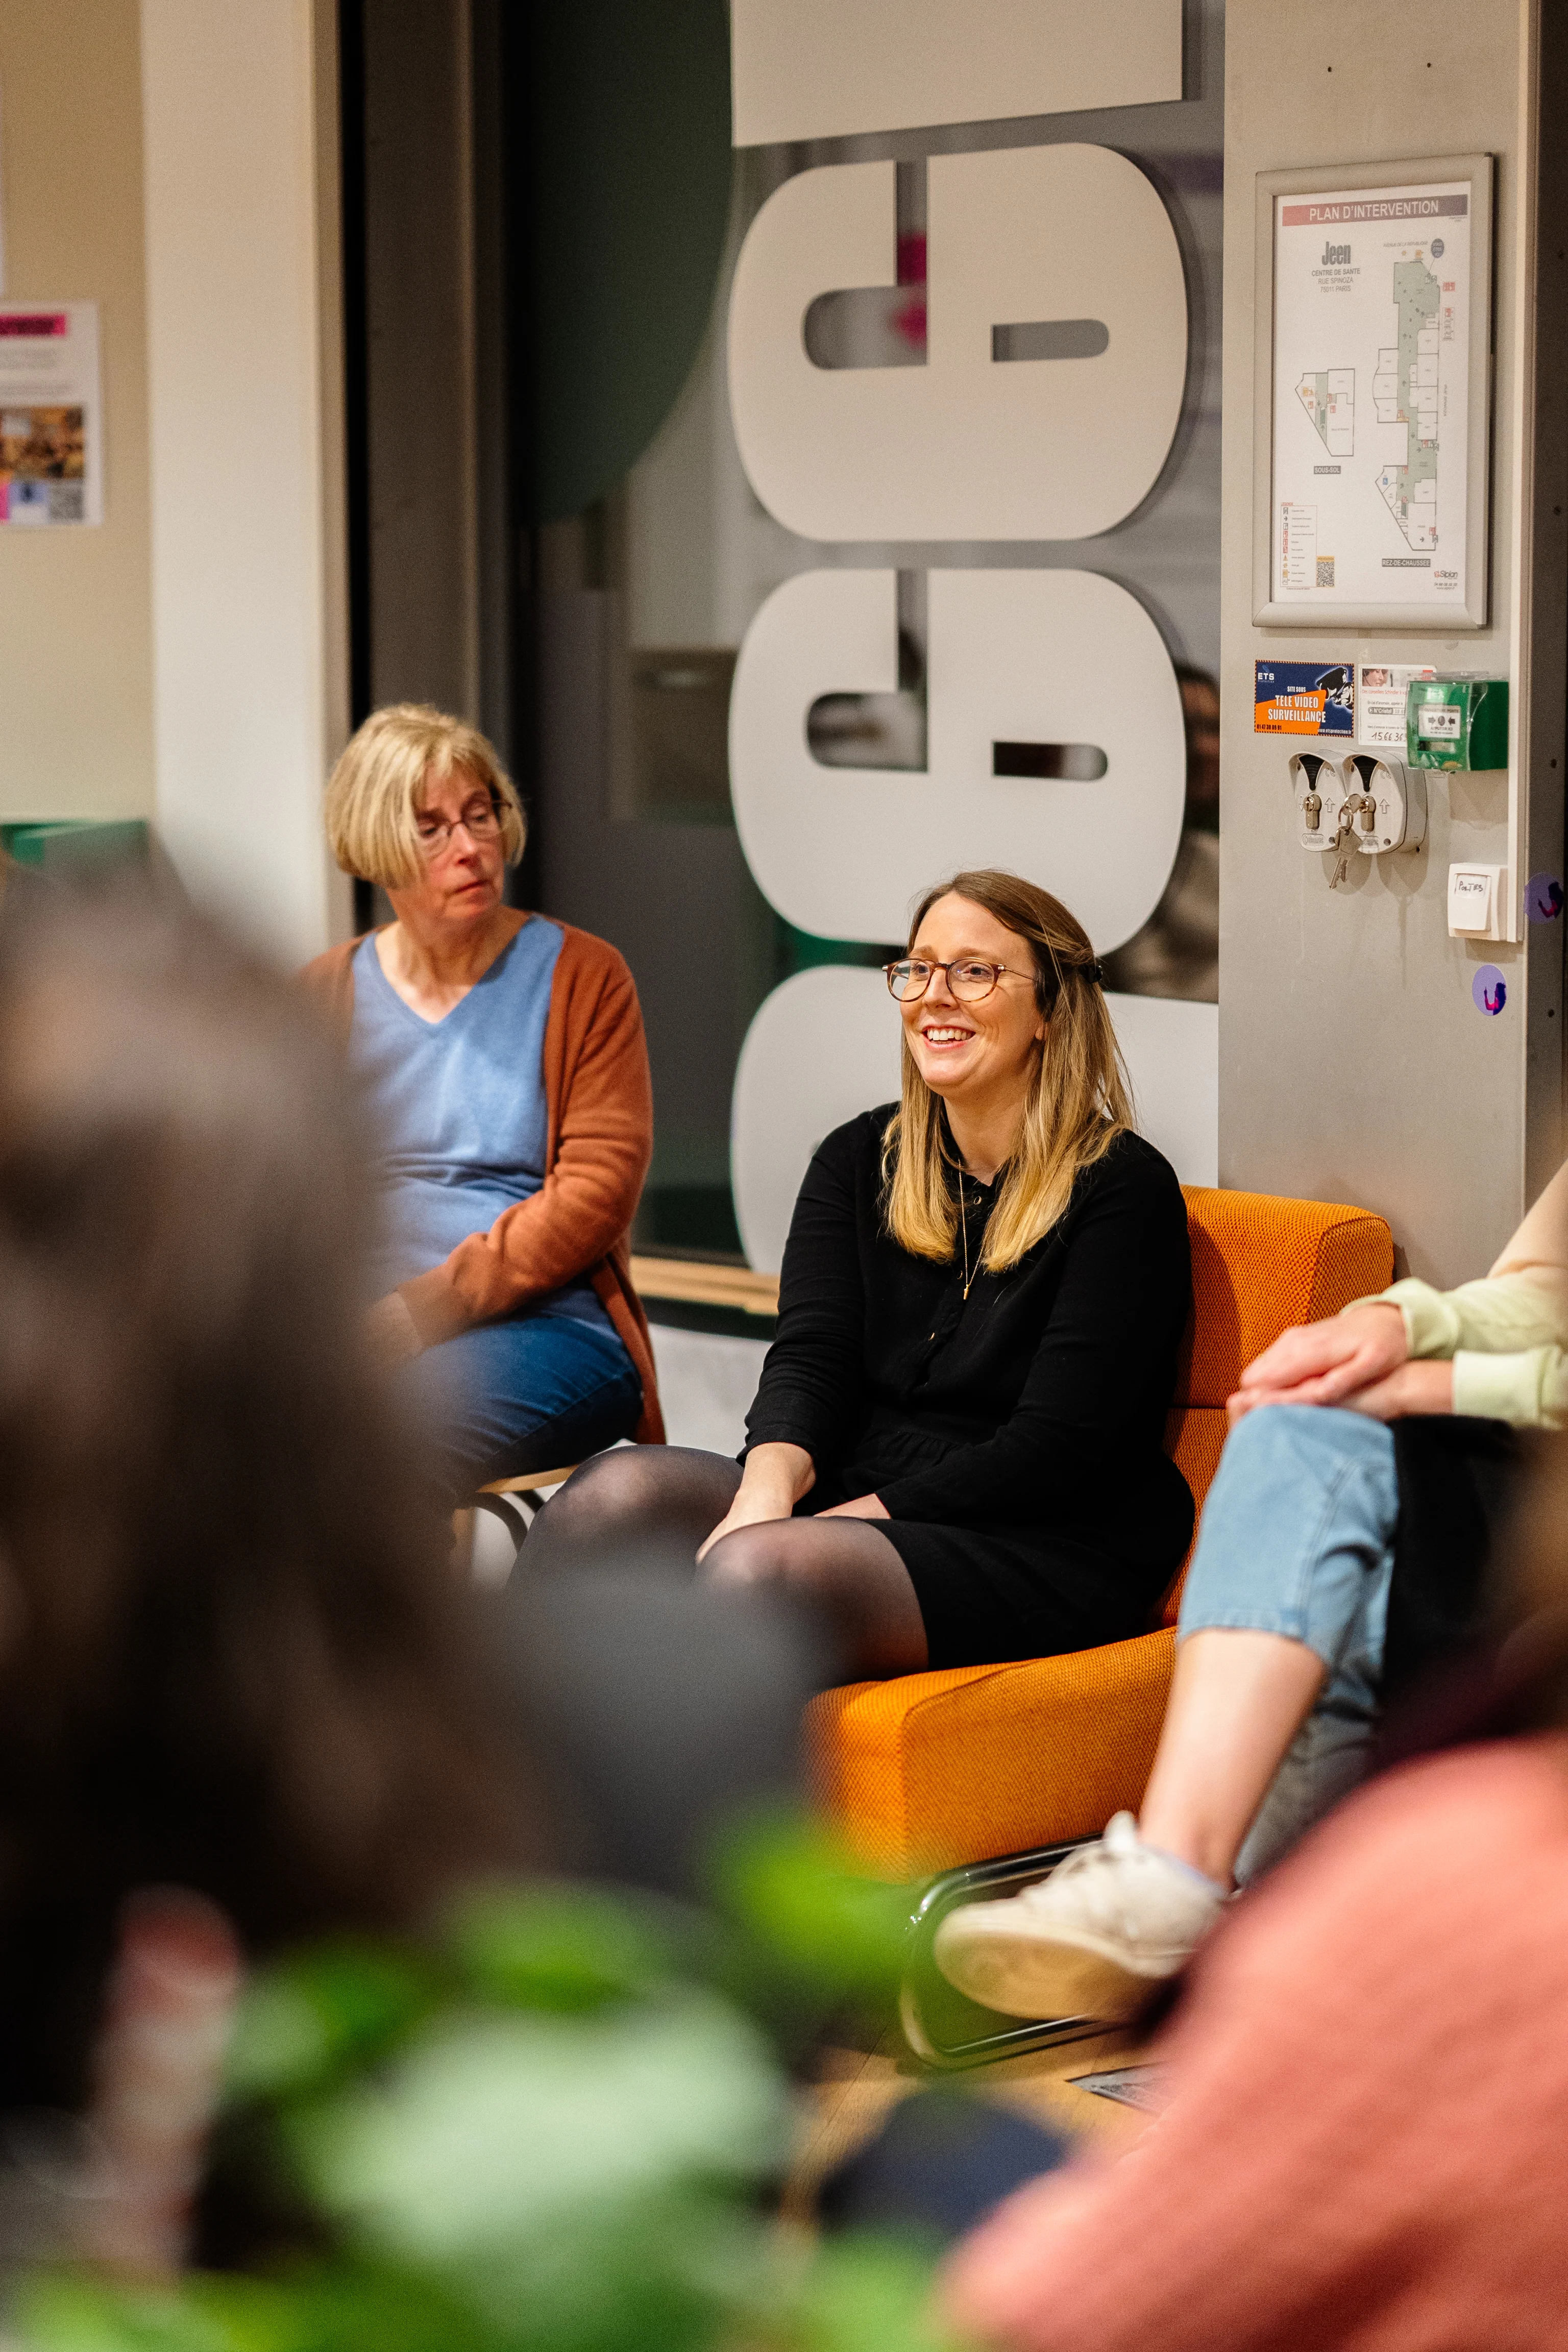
1373, 1460
231, 1659
499, 1057
955, 1453
1362, 2137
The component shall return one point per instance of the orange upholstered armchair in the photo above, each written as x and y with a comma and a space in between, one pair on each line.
930, 1770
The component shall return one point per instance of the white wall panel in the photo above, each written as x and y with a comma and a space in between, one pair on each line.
76, 683
822, 1047
1015, 657
706, 1381
248, 682
1356, 1064
825, 1045
819, 68
1172, 1052
967, 447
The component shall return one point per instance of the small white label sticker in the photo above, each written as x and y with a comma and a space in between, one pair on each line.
1438, 723
1380, 700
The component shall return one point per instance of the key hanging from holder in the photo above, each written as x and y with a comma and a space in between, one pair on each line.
1356, 807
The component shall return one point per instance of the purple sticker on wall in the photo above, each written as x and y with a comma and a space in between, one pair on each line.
1489, 989
1543, 897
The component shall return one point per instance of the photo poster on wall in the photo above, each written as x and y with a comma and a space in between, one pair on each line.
1375, 405
1382, 693
52, 417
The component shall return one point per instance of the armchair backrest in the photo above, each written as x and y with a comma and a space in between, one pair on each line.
1259, 1263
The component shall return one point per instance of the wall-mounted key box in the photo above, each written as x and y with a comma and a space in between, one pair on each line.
1456, 722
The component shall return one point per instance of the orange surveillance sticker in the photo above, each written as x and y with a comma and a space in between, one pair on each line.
1304, 699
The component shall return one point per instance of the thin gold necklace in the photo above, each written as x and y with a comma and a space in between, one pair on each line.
963, 1227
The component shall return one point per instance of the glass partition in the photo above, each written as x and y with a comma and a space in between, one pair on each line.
641, 600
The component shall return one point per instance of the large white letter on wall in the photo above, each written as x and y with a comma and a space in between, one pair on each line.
822, 1047
974, 444
1018, 658
819, 68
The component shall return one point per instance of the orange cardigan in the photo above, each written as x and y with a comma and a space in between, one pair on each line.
599, 1099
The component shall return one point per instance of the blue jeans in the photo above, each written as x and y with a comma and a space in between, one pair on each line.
1298, 1538
534, 1393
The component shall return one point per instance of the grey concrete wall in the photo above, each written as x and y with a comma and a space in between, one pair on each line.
1353, 1064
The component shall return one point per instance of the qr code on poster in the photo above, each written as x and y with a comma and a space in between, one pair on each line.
68, 501
1325, 571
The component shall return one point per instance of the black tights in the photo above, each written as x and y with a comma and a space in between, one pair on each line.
670, 1498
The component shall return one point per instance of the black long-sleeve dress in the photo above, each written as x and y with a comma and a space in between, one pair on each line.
1015, 1437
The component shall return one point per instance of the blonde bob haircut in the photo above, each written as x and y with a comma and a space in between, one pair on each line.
1077, 1103
374, 793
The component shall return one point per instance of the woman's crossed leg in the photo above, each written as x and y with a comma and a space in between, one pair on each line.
668, 1499
1271, 1718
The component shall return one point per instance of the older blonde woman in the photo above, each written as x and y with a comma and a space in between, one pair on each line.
501, 1059
957, 1449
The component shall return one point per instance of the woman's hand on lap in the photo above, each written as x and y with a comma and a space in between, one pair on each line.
772, 1483
864, 1507
393, 1336
1326, 1363
1425, 1386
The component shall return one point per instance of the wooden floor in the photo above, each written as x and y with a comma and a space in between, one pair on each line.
857, 2090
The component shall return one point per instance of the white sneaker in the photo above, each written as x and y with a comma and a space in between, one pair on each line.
1096, 1939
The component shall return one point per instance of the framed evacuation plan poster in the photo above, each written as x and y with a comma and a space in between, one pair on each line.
1372, 397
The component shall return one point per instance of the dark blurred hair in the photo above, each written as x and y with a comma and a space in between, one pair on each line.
231, 1653
1492, 1625
1531, 1692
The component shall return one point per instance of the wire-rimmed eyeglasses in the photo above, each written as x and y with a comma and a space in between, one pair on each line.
480, 820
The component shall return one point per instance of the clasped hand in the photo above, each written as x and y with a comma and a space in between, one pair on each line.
1360, 1361
772, 1482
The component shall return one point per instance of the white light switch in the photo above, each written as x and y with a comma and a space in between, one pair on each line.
1475, 901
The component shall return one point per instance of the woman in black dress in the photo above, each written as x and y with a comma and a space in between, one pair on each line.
956, 1447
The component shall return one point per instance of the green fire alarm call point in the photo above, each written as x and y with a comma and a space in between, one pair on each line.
1456, 722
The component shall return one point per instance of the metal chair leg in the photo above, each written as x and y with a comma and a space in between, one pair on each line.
942, 2027
491, 1564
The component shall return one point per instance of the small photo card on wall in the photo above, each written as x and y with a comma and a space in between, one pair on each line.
52, 417
1380, 693
1304, 698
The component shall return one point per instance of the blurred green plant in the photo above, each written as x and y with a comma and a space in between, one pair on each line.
551, 2127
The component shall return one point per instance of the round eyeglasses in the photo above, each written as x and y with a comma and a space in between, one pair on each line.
967, 978
480, 821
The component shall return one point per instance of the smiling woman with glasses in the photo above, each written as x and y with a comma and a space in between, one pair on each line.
957, 1448
500, 1060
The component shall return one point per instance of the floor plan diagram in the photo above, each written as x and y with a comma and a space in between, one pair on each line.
1376, 345
1404, 392
1328, 399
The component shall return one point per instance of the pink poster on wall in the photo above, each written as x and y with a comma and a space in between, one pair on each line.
52, 417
